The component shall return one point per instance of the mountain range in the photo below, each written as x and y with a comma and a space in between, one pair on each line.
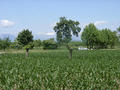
41, 37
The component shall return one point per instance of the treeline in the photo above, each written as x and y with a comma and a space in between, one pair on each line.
91, 37
38, 44
45, 44
99, 39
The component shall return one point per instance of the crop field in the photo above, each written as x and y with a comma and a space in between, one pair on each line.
52, 70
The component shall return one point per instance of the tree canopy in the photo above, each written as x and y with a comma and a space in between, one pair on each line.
25, 37
95, 38
65, 29
89, 35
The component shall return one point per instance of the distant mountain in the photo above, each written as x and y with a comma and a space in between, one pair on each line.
45, 37
41, 37
11, 37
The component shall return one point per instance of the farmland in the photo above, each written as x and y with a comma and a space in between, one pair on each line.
52, 70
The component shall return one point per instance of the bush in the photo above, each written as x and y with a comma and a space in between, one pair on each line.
29, 46
49, 44
15, 46
37, 43
5, 43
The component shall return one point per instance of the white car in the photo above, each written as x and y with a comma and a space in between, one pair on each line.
82, 48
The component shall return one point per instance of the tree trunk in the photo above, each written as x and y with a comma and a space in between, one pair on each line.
70, 51
27, 50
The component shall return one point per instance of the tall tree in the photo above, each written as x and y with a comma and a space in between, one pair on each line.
89, 35
25, 38
64, 30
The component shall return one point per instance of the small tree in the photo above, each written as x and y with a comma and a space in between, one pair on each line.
5, 43
64, 30
25, 38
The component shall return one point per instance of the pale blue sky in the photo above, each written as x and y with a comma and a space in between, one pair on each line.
40, 15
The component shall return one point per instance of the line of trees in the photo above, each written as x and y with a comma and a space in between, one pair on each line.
99, 39
91, 36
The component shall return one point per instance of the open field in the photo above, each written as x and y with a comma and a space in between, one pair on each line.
51, 69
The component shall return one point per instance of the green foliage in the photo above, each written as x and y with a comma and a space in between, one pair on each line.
29, 46
107, 38
37, 43
52, 70
77, 43
5, 43
49, 44
25, 37
15, 45
89, 35
95, 38
65, 29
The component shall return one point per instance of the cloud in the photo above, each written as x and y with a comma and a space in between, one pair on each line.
11, 33
40, 33
97, 23
45, 33
50, 34
6, 23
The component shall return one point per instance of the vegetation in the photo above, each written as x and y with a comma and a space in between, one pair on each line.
52, 70
95, 39
88, 70
5, 43
64, 30
25, 38
50, 44
37, 43
15, 45
89, 35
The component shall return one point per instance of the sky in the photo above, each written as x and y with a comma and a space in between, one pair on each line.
40, 16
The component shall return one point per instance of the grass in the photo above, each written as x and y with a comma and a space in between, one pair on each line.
51, 69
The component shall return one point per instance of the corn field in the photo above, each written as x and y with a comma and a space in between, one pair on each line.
52, 70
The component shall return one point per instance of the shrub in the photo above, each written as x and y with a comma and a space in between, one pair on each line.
49, 44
